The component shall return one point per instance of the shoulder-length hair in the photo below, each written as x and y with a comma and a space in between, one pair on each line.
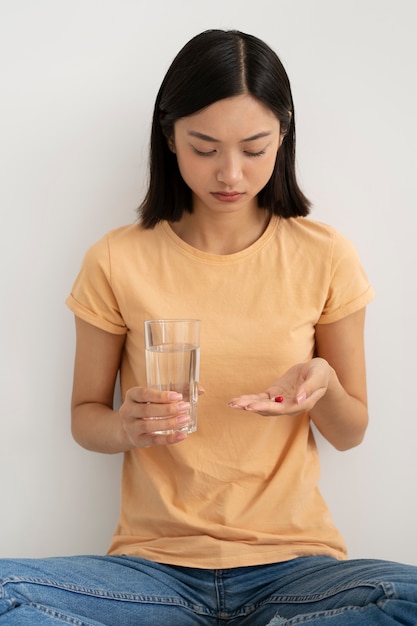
213, 65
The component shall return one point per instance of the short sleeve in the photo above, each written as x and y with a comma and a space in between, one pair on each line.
349, 289
92, 298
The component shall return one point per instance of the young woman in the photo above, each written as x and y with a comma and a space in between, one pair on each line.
226, 525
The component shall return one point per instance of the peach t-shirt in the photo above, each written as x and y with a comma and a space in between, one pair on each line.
242, 490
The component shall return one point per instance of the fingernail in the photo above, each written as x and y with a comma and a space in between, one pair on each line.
183, 406
174, 395
301, 397
183, 419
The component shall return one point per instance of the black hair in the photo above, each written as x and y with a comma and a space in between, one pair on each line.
214, 65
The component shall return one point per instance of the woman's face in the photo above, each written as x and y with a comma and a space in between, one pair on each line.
226, 152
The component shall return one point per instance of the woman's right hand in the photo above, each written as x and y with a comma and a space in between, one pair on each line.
146, 412
96, 425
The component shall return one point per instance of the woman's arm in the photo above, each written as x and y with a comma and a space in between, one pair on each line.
330, 387
341, 415
95, 424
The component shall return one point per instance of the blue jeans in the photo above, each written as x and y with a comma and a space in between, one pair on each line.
128, 591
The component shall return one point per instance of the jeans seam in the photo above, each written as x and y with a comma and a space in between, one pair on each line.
388, 590
303, 619
91, 591
103, 594
63, 617
334, 591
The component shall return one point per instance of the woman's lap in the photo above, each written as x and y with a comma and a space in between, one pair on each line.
125, 591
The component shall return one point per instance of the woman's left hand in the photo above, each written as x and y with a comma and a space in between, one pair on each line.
297, 391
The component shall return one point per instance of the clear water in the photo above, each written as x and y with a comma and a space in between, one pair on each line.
176, 367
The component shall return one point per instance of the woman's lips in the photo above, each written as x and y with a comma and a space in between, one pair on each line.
229, 196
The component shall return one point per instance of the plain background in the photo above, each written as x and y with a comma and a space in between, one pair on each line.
78, 79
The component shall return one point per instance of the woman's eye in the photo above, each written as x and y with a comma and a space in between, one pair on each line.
255, 154
208, 153
202, 153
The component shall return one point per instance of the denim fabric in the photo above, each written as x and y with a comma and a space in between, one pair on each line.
127, 591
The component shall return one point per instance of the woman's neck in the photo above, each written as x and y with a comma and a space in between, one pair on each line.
221, 233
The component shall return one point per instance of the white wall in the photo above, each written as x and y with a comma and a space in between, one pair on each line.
78, 79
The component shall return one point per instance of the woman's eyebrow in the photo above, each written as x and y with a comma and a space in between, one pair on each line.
204, 137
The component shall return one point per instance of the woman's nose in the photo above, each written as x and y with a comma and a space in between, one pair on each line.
230, 170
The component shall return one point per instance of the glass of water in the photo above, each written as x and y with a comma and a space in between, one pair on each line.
172, 349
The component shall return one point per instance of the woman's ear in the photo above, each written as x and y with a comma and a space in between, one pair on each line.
285, 128
171, 143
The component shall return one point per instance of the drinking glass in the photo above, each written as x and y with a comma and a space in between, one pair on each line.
172, 349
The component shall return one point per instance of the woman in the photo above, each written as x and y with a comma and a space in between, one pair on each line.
225, 525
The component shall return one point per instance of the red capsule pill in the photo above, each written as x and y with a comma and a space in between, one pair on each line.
279, 399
